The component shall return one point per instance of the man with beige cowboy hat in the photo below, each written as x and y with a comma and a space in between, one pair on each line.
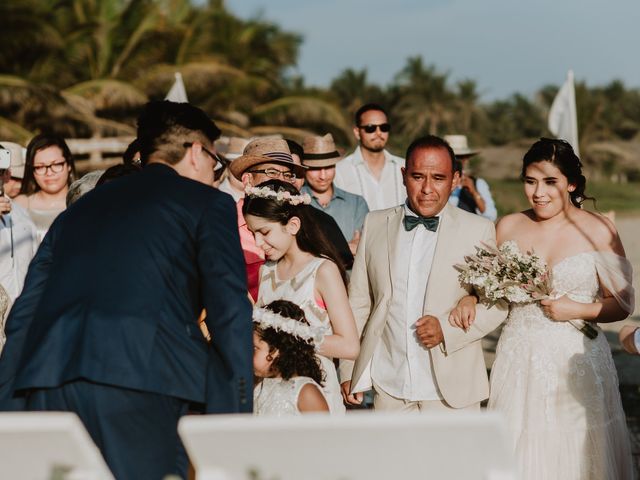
472, 194
348, 209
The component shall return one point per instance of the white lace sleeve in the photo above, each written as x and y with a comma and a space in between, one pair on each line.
616, 275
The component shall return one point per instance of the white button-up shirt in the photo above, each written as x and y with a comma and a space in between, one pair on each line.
354, 176
401, 365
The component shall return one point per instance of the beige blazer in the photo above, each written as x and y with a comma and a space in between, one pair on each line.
458, 363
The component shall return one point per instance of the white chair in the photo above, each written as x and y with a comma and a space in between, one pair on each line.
358, 446
48, 445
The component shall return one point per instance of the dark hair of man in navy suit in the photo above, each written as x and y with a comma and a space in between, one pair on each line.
106, 325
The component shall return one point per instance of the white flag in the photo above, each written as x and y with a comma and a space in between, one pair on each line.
177, 92
563, 120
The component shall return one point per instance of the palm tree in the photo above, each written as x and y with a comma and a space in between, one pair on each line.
352, 90
466, 102
425, 102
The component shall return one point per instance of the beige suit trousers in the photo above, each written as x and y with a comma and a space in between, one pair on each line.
384, 402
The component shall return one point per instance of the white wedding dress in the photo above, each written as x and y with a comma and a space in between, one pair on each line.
558, 388
278, 397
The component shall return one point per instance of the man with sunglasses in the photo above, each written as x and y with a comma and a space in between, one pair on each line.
371, 171
107, 324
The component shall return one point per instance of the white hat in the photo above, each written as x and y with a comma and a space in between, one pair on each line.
460, 145
17, 158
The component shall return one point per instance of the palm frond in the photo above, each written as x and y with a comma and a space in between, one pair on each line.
12, 132
109, 94
299, 111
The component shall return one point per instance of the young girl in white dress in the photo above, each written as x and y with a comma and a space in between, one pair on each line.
558, 388
303, 267
285, 365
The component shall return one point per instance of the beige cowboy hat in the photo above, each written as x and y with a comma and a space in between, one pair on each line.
319, 152
17, 158
460, 145
265, 150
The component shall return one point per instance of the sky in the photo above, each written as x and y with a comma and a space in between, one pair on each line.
507, 46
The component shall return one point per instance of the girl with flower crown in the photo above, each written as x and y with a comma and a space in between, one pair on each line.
304, 268
288, 373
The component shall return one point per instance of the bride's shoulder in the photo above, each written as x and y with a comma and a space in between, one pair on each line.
513, 221
602, 233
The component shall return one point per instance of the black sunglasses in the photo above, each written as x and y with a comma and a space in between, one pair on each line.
215, 157
370, 128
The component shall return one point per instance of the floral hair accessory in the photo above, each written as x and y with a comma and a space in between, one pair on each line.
279, 196
265, 318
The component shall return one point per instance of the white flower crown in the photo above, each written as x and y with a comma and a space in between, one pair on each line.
281, 196
267, 319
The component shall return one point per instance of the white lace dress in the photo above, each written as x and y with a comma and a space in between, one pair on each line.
558, 388
300, 290
278, 397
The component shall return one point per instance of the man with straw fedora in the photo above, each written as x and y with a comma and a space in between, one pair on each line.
472, 194
348, 210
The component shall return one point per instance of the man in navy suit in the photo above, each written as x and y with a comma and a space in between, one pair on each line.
106, 325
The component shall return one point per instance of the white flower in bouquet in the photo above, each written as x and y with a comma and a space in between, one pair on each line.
505, 274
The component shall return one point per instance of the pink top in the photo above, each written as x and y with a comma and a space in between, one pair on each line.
253, 255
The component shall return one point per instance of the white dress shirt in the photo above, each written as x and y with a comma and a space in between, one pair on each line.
354, 176
401, 365
225, 186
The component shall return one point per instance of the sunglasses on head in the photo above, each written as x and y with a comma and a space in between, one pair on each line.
370, 128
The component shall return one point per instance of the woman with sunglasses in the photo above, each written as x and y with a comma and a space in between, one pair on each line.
49, 170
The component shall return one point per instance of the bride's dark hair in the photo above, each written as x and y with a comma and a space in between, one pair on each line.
310, 237
560, 153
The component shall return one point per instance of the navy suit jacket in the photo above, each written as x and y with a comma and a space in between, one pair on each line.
114, 293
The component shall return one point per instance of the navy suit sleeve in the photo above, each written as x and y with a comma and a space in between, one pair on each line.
224, 294
20, 319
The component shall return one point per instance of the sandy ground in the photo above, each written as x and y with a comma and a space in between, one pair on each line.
628, 365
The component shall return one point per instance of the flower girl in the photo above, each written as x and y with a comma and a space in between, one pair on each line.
302, 267
287, 370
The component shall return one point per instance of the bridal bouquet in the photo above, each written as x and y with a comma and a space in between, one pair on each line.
508, 275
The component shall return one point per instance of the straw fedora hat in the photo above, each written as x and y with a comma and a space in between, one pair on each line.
460, 145
17, 158
265, 150
319, 151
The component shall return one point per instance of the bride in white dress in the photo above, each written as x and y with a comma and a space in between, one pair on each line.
558, 388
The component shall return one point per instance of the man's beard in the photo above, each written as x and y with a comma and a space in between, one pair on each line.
374, 149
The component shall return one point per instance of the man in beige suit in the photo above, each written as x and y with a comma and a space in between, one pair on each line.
403, 288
